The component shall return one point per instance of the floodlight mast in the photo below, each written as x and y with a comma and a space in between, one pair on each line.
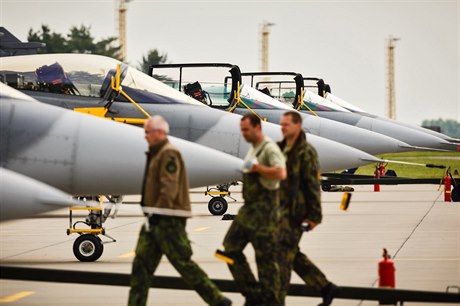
122, 8
391, 97
264, 32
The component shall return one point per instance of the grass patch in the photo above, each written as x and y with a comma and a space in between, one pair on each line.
447, 159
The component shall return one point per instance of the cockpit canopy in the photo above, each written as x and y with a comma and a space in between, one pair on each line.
84, 75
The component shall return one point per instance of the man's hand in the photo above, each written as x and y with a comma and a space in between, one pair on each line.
255, 168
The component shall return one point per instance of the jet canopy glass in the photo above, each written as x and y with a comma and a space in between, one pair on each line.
202, 82
283, 88
84, 75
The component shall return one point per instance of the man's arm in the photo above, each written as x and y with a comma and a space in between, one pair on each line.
276, 168
270, 172
311, 187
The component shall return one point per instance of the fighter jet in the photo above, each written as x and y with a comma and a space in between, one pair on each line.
358, 117
252, 100
315, 105
48, 153
83, 155
77, 81
10, 45
353, 108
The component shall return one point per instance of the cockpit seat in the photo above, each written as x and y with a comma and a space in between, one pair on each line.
195, 91
54, 79
266, 91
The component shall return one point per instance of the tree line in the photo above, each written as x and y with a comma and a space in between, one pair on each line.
449, 127
80, 40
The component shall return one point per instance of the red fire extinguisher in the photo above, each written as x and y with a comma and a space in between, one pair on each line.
386, 271
378, 173
447, 187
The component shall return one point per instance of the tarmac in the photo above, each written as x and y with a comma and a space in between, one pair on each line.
419, 229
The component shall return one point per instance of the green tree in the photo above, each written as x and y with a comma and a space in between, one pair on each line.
449, 127
55, 42
153, 57
78, 40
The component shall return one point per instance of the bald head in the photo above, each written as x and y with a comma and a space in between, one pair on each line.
156, 130
157, 123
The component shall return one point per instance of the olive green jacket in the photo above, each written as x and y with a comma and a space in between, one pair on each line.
300, 192
166, 189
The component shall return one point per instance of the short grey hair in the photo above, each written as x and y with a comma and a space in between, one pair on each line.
157, 123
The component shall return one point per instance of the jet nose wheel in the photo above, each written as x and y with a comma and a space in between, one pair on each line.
88, 247
217, 206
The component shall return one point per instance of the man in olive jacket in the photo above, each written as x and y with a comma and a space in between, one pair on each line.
166, 204
300, 200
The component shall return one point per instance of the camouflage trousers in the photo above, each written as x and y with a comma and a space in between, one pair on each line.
256, 224
291, 258
167, 237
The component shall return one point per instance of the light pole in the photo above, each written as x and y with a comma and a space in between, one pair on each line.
122, 28
265, 32
391, 97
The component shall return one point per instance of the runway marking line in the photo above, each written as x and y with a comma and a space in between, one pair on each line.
127, 255
17, 296
200, 229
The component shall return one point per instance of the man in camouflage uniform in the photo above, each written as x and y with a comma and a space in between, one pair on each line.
300, 200
257, 221
166, 203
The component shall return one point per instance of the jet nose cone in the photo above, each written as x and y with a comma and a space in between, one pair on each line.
359, 138
23, 196
337, 156
208, 166
408, 135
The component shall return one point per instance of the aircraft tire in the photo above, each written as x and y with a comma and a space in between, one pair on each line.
88, 247
217, 206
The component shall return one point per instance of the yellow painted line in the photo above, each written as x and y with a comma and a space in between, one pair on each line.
16, 296
200, 229
127, 255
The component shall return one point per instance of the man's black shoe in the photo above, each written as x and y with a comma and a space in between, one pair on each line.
252, 302
328, 293
225, 302
255, 303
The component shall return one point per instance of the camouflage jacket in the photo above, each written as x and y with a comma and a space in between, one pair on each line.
300, 193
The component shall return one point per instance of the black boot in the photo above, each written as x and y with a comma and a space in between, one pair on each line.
328, 293
225, 302
252, 302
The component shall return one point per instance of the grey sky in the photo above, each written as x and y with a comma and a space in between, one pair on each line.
341, 41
